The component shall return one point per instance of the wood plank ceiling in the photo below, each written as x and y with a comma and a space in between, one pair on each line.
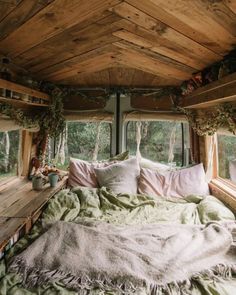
146, 43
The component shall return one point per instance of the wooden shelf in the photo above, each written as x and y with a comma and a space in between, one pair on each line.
24, 90
220, 91
21, 103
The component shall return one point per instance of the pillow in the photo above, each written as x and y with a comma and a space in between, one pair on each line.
120, 177
180, 183
82, 173
145, 163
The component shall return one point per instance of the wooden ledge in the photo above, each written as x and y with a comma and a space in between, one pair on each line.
23, 89
220, 91
19, 200
224, 192
20, 207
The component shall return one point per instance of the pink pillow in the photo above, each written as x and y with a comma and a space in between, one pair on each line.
82, 173
180, 183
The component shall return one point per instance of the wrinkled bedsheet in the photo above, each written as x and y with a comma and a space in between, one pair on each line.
100, 204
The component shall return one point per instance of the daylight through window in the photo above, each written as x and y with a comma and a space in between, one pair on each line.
227, 156
9, 152
86, 141
162, 141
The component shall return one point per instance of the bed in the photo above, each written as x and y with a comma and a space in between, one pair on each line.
103, 205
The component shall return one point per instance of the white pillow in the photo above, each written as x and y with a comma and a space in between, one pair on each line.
120, 177
160, 167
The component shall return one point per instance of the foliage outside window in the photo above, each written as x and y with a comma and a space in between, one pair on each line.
161, 141
227, 156
86, 141
9, 152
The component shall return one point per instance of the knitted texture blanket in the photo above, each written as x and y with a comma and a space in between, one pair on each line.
94, 254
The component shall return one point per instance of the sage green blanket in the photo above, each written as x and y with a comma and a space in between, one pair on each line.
100, 204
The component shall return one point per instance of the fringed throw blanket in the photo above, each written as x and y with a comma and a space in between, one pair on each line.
88, 255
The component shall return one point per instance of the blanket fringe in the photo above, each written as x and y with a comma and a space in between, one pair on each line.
34, 277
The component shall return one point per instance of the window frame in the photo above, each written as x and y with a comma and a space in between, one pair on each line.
226, 185
182, 139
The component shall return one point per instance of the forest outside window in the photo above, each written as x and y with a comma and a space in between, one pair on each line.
226, 146
90, 141
9, 152
161, 141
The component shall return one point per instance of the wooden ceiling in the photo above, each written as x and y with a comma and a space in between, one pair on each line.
145, 43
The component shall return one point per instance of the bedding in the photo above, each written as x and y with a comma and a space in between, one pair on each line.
126, 258
103, 205
177, 184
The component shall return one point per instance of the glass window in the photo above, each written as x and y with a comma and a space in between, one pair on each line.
227, 156
9, 152
86, 141
161, 141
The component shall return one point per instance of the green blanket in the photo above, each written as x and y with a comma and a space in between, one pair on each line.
100, 204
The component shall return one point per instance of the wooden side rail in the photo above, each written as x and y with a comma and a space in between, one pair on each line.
223, 193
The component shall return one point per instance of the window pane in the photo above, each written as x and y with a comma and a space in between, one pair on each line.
227, 156
9, 151
160, 141
86, 141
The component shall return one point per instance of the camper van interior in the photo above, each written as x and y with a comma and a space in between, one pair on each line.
117, 147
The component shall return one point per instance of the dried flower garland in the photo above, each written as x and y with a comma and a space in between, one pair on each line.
207, 122
51, 121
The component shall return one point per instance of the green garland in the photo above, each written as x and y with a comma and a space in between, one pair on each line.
207, 122
51, 121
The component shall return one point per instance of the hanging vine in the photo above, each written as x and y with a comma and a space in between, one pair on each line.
207, 122
51, 121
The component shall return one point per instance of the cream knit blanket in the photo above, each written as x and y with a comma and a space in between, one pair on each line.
95, 254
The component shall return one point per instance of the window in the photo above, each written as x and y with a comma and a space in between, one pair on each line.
227, 156
162, 141
86, 141
9, 152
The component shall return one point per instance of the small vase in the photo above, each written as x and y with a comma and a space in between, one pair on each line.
37, 183
53, 179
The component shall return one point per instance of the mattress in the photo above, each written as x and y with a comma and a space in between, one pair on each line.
101, 204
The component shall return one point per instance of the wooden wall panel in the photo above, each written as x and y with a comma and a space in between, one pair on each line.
151, 102
84, 103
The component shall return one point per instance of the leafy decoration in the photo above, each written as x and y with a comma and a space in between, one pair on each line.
207, 122
51, 121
